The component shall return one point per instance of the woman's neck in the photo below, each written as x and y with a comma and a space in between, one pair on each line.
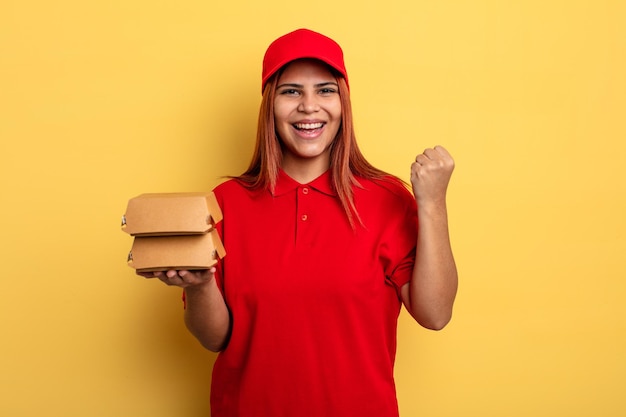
304, 170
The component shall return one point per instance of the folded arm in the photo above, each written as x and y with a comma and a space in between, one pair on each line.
430, 294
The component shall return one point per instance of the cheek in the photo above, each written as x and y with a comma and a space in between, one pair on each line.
282, 130
279, 119
282, 110
335, 111
337, 116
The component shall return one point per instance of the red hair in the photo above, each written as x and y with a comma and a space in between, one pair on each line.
347, 163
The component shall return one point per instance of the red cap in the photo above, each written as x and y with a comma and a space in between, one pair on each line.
302, 43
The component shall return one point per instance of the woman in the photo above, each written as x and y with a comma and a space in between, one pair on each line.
323, 250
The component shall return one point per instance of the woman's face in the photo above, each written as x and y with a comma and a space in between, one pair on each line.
307, 113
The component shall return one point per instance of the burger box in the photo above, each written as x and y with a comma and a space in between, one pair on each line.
159, 214
173, 231
187, 252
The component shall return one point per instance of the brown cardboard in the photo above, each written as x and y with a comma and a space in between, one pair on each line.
158, 214
160, 253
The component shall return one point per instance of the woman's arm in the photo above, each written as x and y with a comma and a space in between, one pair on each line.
206, 314
430, 294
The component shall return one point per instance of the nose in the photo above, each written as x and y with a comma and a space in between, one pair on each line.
308, 104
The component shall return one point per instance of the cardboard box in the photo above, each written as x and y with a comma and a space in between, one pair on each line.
171, 214
190, 252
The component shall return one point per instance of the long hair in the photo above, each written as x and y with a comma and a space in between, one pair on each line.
347, 163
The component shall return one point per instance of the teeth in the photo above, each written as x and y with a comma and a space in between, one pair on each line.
308, 125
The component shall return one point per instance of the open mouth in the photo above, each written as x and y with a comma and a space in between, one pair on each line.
308, 127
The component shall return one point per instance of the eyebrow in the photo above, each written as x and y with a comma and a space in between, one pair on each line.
319, 85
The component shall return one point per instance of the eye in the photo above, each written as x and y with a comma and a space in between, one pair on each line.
289, 92
327, 91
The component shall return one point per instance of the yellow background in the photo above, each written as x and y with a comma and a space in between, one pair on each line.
101, 101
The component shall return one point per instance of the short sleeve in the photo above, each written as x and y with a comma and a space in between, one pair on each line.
399, 238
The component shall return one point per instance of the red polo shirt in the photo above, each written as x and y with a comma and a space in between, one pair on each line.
314, 303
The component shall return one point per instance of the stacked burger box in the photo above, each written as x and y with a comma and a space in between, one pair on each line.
173, 231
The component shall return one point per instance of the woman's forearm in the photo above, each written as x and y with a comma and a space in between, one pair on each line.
207, 316
434, 283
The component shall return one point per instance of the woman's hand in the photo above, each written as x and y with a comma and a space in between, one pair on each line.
183, 279
430, 175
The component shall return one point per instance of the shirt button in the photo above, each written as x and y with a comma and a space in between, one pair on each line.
304, 217
305, 191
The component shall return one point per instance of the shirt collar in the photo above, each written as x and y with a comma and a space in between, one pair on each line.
285, 184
